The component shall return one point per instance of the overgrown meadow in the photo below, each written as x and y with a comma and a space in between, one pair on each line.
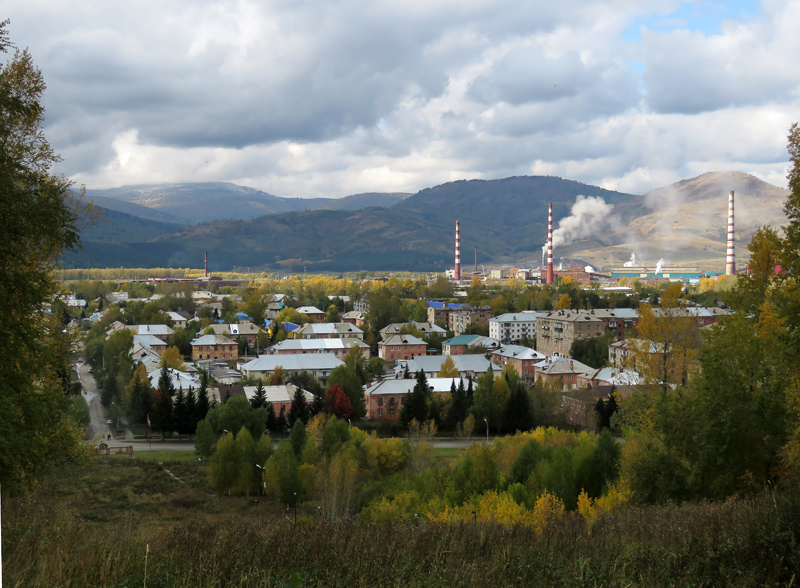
122, 522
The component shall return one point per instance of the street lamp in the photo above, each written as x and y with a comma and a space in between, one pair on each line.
295, 509
487, 431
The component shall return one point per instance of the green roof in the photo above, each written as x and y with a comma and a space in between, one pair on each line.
462, 340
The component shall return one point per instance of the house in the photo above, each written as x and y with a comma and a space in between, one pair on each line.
558, 329
616, 320
248, 330
439, 312
327, 331
338, 347
561, 370
178, 319
318, 365
180, 380
460, 319
215, 347
114, 327
468, 366
163, 332
524, 359
354, 317
280, 397
402, 347
461, 344
361, 305
511, 327
424, 328
152, 342
385, 398
313, 313
609, 376
618, 352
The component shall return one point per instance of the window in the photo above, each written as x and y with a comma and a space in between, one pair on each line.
380, 401
380, 412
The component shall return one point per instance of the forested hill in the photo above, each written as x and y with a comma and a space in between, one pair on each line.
505, 220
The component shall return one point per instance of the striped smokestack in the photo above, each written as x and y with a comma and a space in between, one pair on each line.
457, 273
550, 243
730, 260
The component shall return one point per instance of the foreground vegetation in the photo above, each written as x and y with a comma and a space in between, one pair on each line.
129, 523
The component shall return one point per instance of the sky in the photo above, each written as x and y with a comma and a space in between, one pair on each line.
311, 98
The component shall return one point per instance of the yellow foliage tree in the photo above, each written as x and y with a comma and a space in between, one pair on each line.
448, 368
564, 303
172, 358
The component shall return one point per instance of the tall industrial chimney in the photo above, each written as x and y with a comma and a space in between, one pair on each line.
206, 263
550, 243
730, 260
457, 273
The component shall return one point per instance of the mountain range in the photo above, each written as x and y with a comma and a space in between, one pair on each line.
504, 220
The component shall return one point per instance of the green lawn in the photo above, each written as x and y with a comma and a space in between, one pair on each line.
160, 455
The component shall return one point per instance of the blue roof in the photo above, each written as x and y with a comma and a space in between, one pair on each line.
289, 327
461, 340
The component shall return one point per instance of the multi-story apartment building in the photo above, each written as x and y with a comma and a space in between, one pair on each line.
214, 347
512, 326
402, 347
558, 329
459, 320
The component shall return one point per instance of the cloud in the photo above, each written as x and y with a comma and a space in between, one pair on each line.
347, 96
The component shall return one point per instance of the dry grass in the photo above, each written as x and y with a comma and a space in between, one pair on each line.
92, 524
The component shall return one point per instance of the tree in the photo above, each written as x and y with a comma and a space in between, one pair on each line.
593, 351
259, 399
290, 488
416, 406
338, 402
297, 437
164, 421
139, 396
667, 342
172, 358
491, 396
39, 220
235, 414
203, 404
298, 411
518, 412
224, 467
349, 381
448, 368
459, 407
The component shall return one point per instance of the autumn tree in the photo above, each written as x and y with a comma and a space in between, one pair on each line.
338, 402
172, 358
39, 219
448, 368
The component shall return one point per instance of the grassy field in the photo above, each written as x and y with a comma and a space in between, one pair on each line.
122, 522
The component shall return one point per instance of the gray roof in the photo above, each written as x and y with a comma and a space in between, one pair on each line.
329, 329
148, 341
403, 340
402, 386
433, 363
297, 362
517, 317
213, 340
519, 352
321, 345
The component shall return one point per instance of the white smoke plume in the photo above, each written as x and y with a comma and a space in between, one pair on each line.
589, 269
632, 262
661, 262
589, 215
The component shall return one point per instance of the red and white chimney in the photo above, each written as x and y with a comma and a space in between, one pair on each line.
730, 260
550, 243
457, 273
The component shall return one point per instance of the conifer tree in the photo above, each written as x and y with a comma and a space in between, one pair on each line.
202, 398
416, 406
299, 408
260, 397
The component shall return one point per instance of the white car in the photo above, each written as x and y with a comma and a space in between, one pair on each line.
108, 422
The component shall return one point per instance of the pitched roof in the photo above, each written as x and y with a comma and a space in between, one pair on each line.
318, 344
403, 340
297, 362
560, 366
213, 340
476, 363
519, 352
403, 386
329, 329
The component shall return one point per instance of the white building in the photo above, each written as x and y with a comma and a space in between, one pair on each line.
512, 326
